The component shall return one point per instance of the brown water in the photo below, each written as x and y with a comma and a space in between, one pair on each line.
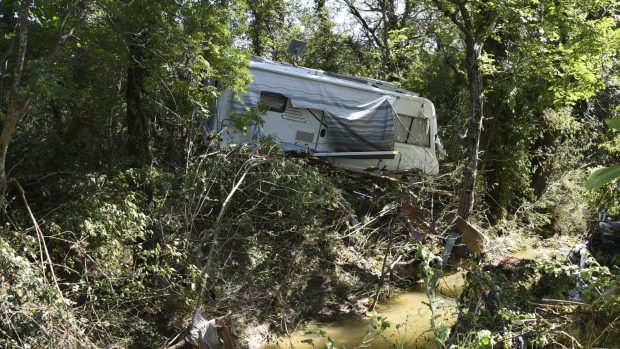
407, 311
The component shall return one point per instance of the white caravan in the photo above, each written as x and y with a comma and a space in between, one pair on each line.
356, 123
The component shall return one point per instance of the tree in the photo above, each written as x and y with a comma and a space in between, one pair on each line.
330, 48
605, 175
535, 58
543, 65
575, 44
21, 100
378, 20
135, 72
476, 22
267, 24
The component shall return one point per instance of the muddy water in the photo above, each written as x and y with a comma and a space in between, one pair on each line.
408, 310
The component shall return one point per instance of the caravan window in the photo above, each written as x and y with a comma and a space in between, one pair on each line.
274, 101
412, 130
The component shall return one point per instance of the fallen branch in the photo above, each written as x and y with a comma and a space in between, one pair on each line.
249, 164
563, 301
245, 169
40, 237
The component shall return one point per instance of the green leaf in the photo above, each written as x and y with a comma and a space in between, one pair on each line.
613, 123
602, 176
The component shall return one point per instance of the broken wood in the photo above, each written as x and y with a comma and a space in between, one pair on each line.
223, 331
43, 251
472, 237
180, 344
563, 302
383, 273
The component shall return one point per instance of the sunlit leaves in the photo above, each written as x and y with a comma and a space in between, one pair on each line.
564, 47
613, 123
602, 176
605, 175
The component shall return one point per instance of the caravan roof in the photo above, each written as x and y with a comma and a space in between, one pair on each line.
368, 84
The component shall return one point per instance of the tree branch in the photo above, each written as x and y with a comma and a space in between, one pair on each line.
451, 15
24, 12
406, 12
467, 21
63, 37
40, 237
12, 115
372, 32
487, 28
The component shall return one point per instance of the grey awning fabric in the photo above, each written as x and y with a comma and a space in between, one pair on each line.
357, 120
369, 130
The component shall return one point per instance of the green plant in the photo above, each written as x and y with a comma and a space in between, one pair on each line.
429, 261
605, 175
533, 303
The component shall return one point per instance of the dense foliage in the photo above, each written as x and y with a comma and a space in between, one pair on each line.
118, 218
548, 303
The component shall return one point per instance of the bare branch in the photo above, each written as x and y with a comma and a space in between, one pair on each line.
26, 106
369, 31
40, 237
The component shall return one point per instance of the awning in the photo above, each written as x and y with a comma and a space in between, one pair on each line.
357, 120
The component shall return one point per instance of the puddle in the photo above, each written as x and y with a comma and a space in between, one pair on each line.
407, 311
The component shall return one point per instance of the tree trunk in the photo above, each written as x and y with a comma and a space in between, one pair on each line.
56, 113
319, 5
138, 128
542, 172
385, 52
7, 23
474, 128
13, 113
255, 35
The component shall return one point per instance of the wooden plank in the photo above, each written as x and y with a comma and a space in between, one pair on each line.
472, 237
223, 331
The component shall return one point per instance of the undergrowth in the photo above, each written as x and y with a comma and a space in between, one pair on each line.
539, 304
262, 239
123, 258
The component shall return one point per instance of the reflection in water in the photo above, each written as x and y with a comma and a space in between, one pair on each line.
406, 311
